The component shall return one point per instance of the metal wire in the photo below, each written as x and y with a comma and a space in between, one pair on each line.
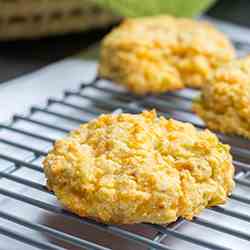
27, 240
51, 232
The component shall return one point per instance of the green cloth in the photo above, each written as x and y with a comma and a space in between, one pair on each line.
134, 8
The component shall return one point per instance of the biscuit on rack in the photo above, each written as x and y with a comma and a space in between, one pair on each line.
159, 54
224, 104
124, 169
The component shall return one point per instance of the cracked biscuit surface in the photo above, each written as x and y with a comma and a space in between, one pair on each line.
159, 54
224, 104
139, 168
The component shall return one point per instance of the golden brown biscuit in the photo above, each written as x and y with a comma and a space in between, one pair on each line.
139, 168
157, 54
225, 102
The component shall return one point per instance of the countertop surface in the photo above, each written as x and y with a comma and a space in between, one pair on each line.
36, 87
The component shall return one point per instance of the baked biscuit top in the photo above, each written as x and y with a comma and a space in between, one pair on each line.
157, 54
139, 168
179, 34
230, 88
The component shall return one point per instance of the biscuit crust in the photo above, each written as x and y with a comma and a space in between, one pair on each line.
225, 103
159, 54
128, 169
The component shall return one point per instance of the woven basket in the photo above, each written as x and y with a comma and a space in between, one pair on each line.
37, 18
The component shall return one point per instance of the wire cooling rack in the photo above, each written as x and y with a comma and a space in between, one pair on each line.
31, 216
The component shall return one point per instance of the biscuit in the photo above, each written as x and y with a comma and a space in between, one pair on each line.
159, 54
128, 169
224, 104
